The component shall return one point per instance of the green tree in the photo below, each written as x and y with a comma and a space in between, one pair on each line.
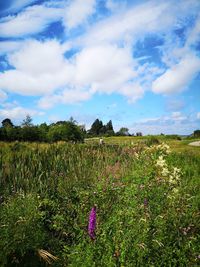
27, 122
123, 131
7, 123
66, 131
196, 133
109, 129
96, 127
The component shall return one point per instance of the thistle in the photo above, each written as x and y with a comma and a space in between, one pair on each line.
92, 223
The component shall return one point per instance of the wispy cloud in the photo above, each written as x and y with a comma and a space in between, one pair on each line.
16, 5
174, 123
77, 12
30, 21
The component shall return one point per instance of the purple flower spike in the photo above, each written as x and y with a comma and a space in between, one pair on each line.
92, 223
145, 202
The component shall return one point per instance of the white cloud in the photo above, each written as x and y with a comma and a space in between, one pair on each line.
32, 20
3, 96
77, 12
125, 25
174, 117
38, 57
173, 123
136, 21
194, 34
18, 4
7, 47
104, 63
178, 76
132, 91
177, 116
39, 68
198, 115
115, 6
17, 113
68, 96
104, 68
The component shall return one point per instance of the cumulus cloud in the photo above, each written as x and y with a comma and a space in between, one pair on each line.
77, 12
178, 76
38, 68
198, 115
7, 47
105, 68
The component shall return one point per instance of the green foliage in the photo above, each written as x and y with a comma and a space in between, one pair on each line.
60, 131
65, 132
172, 136
152, 140
147, 205
196, 133
97, 128
21, 230
7, 123
123, 132
27, 122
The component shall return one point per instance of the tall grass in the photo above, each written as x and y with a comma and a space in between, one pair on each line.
143, 219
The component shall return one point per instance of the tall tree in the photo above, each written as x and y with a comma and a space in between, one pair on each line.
109, 126
27, 122
7, 123
109, 129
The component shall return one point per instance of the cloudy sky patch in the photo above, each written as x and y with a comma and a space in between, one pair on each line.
59, 58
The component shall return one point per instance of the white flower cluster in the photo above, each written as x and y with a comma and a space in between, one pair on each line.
173, 174
164, 148
162, 165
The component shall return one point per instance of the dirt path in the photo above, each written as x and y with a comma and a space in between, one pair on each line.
196, 143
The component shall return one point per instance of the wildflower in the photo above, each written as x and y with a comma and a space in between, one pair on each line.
160, 162
165, 171
92, 223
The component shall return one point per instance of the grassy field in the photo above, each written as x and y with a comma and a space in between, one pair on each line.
146, 195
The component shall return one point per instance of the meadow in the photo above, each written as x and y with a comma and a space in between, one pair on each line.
146, 192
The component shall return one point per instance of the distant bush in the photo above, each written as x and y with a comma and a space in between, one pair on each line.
173, 136
152, 141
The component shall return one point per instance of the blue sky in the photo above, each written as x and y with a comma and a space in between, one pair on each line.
134, 62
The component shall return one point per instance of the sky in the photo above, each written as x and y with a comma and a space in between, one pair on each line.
136, 63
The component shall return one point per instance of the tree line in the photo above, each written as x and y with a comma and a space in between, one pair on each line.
27, 131
60, 131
